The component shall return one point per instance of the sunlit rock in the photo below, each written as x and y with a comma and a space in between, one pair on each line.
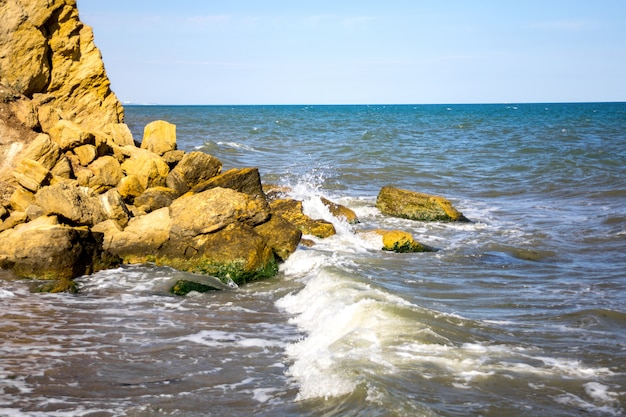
416, 206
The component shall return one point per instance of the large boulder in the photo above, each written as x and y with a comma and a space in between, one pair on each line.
46, 249
107, 173
416, 206
159, 137
154, 198
214, 209
43, 150
193, 169
31, 174
118, 134
68, 135
141, 239
148, 167
235, 253
244, 180
75, 205
282, 236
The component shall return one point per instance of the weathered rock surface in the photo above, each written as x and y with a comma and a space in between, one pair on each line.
31, 174
46, 249
244, 180
397, 241
282, 236
148, 167
159, 137
215, 209
193, 169
50, 56
76, 205
154, 198
291, 210
141, 239
416, 206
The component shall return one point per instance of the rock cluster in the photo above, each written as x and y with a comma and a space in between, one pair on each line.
82, 202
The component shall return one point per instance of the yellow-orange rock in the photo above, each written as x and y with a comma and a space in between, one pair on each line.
416, 206
48, 54
397, 241
291, 210
159, 137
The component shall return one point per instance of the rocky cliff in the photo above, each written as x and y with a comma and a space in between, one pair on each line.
50, 57
50, 71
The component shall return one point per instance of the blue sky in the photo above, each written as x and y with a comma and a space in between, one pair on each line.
361, 52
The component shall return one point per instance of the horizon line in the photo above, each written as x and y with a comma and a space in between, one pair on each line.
130, 103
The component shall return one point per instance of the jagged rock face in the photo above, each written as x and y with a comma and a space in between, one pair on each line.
49, 56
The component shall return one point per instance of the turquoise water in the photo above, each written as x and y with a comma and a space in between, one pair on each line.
520, 312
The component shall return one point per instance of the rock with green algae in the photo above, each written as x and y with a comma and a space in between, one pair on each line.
397, 241
236, 252
56, 286
184, 283
417, 206
206, 275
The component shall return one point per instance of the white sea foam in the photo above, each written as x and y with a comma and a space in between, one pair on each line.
597, 403
600, 392
349, 325
264, 395
6, 294
224, 339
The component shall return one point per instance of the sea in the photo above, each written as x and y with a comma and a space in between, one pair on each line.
519, 312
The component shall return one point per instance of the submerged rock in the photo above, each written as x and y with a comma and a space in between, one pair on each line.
183, 284
417, 206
